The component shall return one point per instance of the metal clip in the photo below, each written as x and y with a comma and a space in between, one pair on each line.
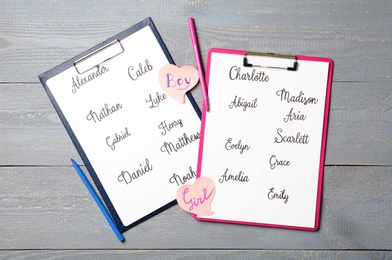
270, 60
99, 56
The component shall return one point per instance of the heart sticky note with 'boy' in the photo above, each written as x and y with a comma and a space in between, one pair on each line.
177, 81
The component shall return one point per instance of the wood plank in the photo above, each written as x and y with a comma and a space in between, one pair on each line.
360, 126
49, 208
194, 254
37, 36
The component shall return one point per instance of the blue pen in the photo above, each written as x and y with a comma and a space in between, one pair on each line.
98, 201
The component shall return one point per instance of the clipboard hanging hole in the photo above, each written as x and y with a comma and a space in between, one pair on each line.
99, 57
270, 60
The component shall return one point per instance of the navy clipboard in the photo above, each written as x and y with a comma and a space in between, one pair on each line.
135, 141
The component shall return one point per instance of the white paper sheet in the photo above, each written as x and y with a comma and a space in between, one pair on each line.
262, 141
140, 142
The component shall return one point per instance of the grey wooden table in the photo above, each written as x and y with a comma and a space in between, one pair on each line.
46, 212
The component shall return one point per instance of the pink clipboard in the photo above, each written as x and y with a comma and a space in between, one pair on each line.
263, 141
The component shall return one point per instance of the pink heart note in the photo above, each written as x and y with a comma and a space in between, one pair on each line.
177, 81
197, 198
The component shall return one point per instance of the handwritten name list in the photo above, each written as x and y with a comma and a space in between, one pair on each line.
175, 142
116, 138
283, 134
294, 101
262, 139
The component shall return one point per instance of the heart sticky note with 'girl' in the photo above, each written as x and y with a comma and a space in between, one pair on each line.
196, 198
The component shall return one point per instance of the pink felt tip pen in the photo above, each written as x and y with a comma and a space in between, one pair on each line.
198, 62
